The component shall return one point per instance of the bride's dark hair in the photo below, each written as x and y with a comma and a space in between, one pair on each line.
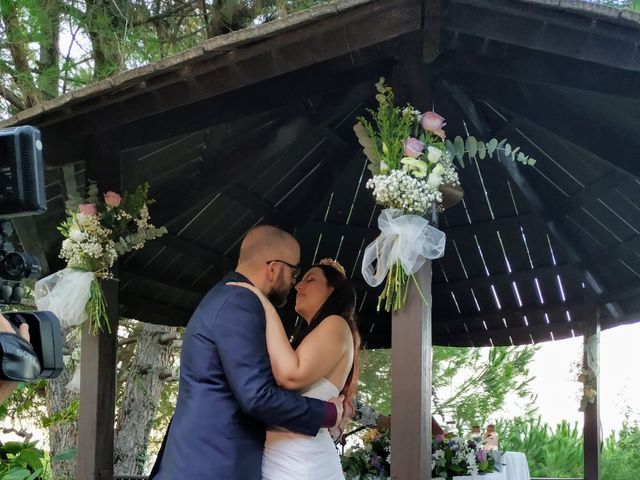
342, 302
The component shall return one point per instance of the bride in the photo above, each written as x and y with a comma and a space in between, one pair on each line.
323, 365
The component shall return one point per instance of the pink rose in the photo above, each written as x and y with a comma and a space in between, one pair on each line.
112, 199
88, 208
432, 122
413, 147
440, 438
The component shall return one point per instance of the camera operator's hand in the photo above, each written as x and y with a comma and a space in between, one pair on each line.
6, 387
5, 326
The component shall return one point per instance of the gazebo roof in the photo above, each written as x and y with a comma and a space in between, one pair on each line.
255, 126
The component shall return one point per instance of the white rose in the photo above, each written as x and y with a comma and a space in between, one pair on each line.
434, 180
438, 170
434, 154
75, 234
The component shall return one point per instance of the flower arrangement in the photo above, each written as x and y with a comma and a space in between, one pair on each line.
450, 456
457, 456
412, 163
97, 232
373, 462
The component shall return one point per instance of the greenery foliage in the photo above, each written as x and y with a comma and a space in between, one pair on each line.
54, 46
470, 385
559, 452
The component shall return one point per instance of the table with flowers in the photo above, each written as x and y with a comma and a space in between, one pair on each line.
513, 466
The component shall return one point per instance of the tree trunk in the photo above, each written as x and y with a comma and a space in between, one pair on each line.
49, 61
21, 73
63, 433
141, 397
106, 23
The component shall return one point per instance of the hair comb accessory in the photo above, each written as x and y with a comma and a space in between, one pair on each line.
330, 262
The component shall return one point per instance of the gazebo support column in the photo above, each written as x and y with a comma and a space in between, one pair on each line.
411, 384
99, 352
592, 436
98, 394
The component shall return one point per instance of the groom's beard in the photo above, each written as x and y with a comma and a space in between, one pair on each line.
278, 296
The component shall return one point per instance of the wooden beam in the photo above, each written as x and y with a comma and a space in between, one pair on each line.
411, 386
138, 306
545, 29
614, 253
495, 316
507, 278
432, 13
588, 193
592, 425
98, 394
257, 205
470, 55
492, 226
133, 273
509, 336
192, 249
459, 231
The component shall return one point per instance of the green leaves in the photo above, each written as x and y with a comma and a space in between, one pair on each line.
22, 461
478, 149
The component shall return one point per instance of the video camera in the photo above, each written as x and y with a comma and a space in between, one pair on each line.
22, 193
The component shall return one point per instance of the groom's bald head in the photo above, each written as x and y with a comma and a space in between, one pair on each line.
264, 243
268, 257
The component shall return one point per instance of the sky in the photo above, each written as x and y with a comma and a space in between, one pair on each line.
559, 393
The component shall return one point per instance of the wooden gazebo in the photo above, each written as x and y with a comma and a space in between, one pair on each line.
256, 127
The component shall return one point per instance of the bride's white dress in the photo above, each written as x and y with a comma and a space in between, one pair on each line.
291, 456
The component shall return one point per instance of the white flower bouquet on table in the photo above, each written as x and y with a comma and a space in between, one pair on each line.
413, 169
96, 232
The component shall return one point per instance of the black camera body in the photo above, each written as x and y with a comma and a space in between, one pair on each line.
46, 339
22, 193
22, 184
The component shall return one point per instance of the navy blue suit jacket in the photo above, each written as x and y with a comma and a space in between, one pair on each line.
227, 393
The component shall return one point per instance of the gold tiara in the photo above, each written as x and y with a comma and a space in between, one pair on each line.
330, 262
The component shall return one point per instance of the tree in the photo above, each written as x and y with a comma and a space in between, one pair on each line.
470, 385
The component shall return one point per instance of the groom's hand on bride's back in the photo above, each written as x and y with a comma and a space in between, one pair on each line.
339, 403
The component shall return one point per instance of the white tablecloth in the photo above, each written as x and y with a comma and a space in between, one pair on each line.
515, 468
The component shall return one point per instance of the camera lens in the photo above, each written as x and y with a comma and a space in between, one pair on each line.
16, 266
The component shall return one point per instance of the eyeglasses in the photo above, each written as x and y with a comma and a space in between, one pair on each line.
295, 268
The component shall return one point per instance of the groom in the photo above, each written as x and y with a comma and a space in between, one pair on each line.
227, 393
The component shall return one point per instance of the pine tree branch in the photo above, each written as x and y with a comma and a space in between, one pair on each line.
21, 74
161, 16
15, 101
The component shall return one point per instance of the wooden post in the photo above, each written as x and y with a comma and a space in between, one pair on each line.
411, 384
99, 352
98, 394
592, 435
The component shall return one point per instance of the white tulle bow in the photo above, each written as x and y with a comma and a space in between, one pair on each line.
408, 239
66, 294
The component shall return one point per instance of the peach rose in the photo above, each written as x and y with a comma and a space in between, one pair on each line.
112, 199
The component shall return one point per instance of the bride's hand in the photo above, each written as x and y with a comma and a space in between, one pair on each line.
248, 286
261, 296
